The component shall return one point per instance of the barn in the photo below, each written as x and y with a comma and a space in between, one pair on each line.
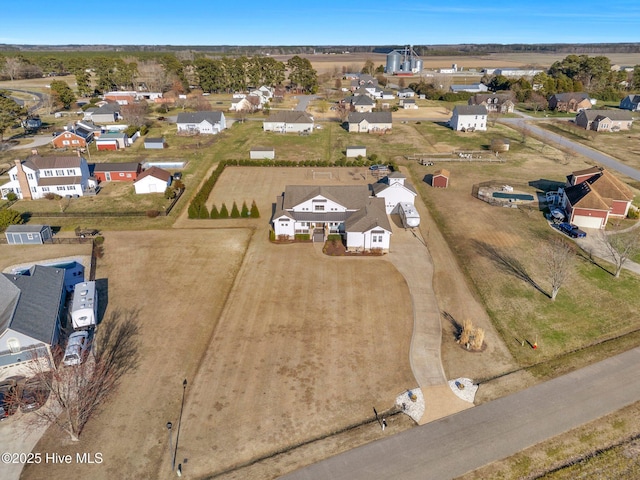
440, 178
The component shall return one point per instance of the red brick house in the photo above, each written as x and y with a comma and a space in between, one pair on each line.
117, 172
593, 195
440, 179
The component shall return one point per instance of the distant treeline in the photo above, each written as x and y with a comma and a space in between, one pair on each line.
422, 50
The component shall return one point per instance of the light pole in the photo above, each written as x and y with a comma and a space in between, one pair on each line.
173, 458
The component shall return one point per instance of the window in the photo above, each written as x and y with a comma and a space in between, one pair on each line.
59, 188
65, 142
121, 174
45, 189
15, 177
60, 172
33, 189
318, 208
70, 187
30, 176
47, 173
75, 142
14, 345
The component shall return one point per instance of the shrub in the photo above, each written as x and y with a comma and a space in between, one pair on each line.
235, 213
254, 210
245, 210
302, 237
8, 217
144, 129
169, 193
272, 235
334, 237
214, 212
52, 196
99, 240
224, 212
203, 213
12, 197
152, 213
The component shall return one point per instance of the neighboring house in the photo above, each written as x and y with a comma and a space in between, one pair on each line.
473, 88
121, 98
362, 103
374, 122
241, 105
630, 102
594, 195
469, 118
388, 95
440, 178
37, 176
117, 172
348, 210
28, 234
288, 121
152, 180
408, 103
31, 312
517, 72
356, 151
154, 143
107, 113
262, 153
32, 123
71, 139
395, 190
204, 123
112, 141
604, 120
406, 93
494, 102
570, 102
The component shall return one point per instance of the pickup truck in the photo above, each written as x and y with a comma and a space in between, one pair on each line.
571, 230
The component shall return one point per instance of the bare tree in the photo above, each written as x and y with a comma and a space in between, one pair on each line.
135, 113
558, 258
12, 67
620, 247
77, 392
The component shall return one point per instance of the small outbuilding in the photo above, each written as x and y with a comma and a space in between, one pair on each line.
28, 234
262, 153
356, 151
112, 141
440, 179
154, 143
116, 172
152, 180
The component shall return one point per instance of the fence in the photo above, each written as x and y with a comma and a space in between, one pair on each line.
461, 156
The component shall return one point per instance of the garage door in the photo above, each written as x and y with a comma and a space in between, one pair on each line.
587, 222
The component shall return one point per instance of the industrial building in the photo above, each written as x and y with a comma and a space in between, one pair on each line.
403, 61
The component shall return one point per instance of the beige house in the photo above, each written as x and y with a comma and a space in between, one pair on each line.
494, 102
604, 120
569, 102
374, 122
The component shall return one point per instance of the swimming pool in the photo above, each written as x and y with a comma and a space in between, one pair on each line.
515, 196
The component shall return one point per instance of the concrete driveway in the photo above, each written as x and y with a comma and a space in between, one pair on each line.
18, 434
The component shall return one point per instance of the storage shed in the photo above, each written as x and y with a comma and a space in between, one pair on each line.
28, 234
440, 179
154, 143
262, 153
152, 180
356, 151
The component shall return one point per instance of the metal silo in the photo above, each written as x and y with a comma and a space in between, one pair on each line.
393, 62
418, 67
406, 66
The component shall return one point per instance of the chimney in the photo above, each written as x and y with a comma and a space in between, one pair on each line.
34, 151
22, 181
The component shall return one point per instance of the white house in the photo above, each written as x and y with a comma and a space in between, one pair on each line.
30, 320
469, 118
205, 123
152, 180
348, 210
288, 121
37, 176
473, 88
408, 103
395, 190
378, 122
406, 93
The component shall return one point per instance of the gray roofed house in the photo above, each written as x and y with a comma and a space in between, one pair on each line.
105, 114
631, 102
394, 189
286, 121
570, 101
209, 123
369, 122
31, 306
494, 102
468, 118
349, 210
362, 103
604, 120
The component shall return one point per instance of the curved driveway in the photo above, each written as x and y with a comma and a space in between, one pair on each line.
455, 445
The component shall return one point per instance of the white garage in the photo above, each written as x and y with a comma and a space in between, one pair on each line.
152, 180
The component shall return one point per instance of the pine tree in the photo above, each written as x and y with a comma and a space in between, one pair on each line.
204, 213
224, 213
245, 210
193, 210
214, 212
235, 213
254, 210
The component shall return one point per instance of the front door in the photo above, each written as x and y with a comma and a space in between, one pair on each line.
318, 233
107, 176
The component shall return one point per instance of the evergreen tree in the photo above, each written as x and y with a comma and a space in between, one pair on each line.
254, 210
204, 213
193, 210
235, 213
214, 212
245, 210
224, 212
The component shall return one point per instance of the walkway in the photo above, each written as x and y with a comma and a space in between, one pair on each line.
458, 444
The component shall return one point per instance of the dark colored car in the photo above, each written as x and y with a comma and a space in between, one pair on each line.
34, 395
378, 167
9, 396
571, 230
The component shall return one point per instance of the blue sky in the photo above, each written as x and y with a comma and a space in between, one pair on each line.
330, 22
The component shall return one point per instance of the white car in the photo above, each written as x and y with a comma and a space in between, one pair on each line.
77, 347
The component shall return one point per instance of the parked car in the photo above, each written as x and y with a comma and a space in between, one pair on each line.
571, 230
375, 168
9, 396
77, 348
34, 395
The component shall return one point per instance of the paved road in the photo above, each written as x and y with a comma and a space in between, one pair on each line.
595, 155
37, 96
454, 445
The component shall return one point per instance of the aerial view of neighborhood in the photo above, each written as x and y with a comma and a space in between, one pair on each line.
232, 259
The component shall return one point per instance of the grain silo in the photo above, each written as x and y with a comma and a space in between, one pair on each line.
393, 62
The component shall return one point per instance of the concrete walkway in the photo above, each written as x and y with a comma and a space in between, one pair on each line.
410, 256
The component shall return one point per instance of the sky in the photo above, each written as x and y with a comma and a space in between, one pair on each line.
328, 22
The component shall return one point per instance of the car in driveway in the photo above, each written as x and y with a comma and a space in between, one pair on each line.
34, 395
571, 230
378, 168
10, 396
77, 348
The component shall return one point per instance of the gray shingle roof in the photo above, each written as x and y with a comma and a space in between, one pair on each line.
470, 109
290, 116
41, 294
618, 115
371, 216
199, 117
25, 228
372, 117
116, 167
352, 197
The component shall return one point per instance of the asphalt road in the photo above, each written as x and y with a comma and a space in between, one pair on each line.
452, 446
595, 155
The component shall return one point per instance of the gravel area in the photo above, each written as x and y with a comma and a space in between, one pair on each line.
464, 389
411, 402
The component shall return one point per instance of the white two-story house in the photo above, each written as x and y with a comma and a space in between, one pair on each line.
37, 176
347, 210
469, 118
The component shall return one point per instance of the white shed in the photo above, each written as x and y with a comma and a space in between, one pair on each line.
356, 151
152, 180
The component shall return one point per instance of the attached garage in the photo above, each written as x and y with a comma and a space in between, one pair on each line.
586, 221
